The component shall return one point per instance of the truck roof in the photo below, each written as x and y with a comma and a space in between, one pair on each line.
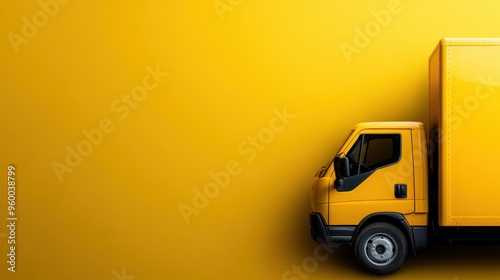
382, 125
470, 42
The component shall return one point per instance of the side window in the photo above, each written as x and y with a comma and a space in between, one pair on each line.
372, 151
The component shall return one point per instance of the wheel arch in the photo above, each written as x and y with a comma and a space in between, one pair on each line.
395, 219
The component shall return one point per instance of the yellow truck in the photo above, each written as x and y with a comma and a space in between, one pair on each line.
395, 187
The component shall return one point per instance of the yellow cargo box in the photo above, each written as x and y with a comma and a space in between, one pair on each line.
464, 77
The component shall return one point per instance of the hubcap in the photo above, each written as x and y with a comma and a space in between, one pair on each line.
380, 249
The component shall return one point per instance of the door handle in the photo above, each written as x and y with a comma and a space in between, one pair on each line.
400, 191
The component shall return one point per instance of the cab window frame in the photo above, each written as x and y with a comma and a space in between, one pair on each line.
361, 150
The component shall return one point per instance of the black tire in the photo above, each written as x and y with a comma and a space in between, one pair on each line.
381, 248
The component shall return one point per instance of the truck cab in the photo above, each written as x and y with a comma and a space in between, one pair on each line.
374, 194
389, 189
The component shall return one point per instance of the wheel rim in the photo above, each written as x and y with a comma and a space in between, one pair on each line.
380, 249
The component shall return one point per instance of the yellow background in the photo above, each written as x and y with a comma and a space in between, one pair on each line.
117, 212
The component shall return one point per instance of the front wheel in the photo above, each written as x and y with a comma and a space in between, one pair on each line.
381, 248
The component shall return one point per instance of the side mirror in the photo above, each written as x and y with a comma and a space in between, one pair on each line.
344, 167
341, 165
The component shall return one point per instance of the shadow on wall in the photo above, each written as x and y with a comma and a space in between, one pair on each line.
456, 260
293, 237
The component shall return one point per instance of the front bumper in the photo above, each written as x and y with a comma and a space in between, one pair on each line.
323, 234
318, 228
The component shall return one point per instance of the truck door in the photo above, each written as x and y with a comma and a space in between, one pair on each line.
380, 177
